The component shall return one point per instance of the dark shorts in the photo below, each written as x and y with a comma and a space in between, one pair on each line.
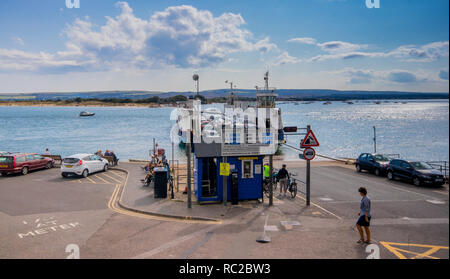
362, 221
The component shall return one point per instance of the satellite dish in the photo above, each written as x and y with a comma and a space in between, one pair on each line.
195, 77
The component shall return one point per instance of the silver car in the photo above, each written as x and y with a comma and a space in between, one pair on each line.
83, 164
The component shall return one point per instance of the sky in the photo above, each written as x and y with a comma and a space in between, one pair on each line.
102, 45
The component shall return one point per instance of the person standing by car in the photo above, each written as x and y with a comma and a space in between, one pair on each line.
47, 152
283, 176
116, 160
364, 216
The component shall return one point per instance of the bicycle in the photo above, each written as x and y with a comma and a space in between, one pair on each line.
266, 185
292, 188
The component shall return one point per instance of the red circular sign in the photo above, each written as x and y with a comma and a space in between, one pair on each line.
309, 154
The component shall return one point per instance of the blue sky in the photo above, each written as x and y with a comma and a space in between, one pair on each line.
157, 45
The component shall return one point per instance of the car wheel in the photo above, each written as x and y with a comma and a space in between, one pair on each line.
85, 173
105, 168
49, 165
377, 172
25, 171
4, 173
416, 181
358, 168
390, 175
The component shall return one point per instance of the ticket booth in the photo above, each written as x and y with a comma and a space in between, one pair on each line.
245, 185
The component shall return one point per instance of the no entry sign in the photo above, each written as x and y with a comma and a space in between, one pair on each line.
309, 154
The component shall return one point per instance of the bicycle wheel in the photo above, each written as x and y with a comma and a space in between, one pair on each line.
294, 190
266, 190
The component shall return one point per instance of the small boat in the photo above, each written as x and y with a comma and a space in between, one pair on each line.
86, 113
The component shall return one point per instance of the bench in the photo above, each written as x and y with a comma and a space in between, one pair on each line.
110, 160
54, 157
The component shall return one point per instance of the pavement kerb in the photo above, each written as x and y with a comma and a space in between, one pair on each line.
157, 214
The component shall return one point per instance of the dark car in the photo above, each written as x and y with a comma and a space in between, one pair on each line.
419, 173
23, 163
376, 163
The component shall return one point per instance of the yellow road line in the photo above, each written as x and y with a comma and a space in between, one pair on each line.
112, 178
113, 207
91, 180
427, 253
396, 251
116, 173
106, 181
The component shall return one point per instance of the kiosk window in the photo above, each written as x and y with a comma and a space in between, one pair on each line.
247, 169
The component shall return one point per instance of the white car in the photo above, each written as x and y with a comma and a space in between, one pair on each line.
83, 164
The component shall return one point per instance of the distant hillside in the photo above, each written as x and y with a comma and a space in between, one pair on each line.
283, 94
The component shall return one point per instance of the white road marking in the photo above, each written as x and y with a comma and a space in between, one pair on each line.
436, 201
290, 223
271, 228
171, 244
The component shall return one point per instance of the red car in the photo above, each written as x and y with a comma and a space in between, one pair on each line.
23, 163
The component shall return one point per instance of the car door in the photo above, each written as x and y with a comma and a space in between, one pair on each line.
89, 164
31, 162
362, 161
99, 163
370, 162
407, 170
40, 161
95, 163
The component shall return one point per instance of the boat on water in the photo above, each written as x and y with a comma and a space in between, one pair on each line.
86, 113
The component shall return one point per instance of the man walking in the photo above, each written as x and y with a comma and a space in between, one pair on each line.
364, 216
283, 176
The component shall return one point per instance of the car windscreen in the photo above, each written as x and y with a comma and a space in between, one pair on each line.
6, 159
71, 160
421, 166
381, 158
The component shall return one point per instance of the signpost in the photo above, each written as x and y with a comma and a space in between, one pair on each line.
310, 139
225, 172
309, 154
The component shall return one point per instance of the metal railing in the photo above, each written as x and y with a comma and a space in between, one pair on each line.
393, 156
442, 166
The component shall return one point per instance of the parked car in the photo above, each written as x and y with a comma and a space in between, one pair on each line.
417, 172
23, 163
83, 164
376, 163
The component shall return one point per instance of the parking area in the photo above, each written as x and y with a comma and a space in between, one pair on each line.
403, 214
41, 213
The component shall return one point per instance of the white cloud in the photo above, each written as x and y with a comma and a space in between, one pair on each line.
394, 76
339, 46
19, 41
345, 50
285, 58
307, 41
180, 36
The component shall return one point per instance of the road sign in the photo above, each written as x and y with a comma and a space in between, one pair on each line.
224, 169
309, 154
310, 140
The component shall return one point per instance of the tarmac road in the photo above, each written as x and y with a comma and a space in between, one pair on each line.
42, 213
